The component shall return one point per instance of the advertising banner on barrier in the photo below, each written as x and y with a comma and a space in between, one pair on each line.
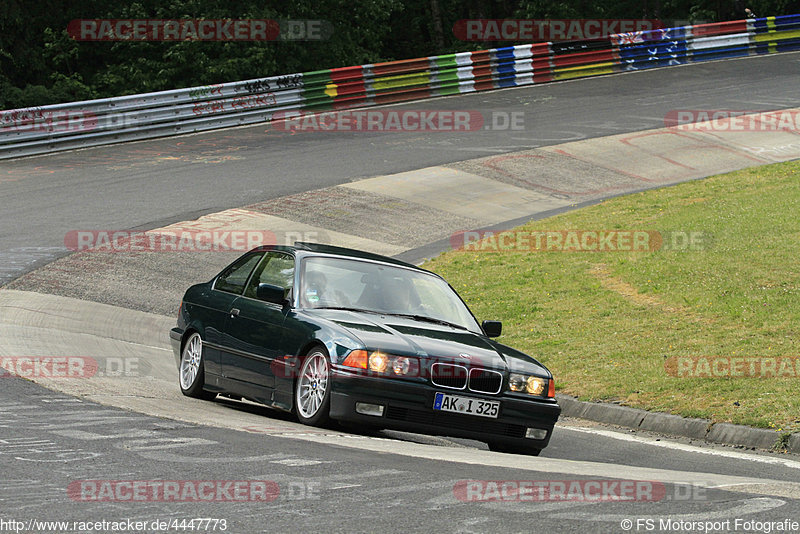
576, 49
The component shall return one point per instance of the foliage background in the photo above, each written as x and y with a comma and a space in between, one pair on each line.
40, 64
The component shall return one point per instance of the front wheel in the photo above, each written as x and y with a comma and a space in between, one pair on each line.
192, 372
312, 392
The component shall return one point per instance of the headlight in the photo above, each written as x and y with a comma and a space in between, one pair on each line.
516, 383
532, 385
382, 363
401, 365
378, 362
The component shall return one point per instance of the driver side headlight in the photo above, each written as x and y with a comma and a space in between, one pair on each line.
382, 363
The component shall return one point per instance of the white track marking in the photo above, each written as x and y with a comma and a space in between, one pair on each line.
742, 508
785, 462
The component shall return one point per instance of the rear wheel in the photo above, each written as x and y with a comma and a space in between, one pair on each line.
192, 371
513, 449
312, 392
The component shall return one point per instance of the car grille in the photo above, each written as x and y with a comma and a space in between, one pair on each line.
485, 381
455, 421
453, 376
449, 376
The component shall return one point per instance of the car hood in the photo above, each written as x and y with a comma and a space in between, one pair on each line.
401, 335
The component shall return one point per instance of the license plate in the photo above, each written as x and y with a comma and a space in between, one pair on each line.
445, 402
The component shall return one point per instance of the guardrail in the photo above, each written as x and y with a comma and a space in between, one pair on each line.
39, 130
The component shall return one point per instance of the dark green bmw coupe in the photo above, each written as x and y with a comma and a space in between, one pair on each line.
331, 333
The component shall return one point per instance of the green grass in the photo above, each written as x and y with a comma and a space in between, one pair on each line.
605, 322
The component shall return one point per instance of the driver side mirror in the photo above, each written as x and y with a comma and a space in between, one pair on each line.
492, 328
271, 293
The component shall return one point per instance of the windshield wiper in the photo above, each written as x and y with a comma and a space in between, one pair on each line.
345, 308
429, 320
424, 318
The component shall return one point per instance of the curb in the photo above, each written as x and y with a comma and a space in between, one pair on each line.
664, 423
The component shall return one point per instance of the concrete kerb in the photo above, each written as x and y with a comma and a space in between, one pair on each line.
742, 435
669, 424
675, 424
794, 443
601, 412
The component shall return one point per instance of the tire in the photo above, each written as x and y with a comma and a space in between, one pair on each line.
513, 449
312, 389
191, 373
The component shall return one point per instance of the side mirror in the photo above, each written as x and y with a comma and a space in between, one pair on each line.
492, 328
271, 293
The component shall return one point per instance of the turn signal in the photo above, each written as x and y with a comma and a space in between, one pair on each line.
357, 359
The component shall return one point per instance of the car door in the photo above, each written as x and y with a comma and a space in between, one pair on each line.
255, 327
214, 312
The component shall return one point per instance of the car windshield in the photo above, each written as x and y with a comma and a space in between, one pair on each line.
361, 285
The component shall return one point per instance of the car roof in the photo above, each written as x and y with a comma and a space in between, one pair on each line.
320, 249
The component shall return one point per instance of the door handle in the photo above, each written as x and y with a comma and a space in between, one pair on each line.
235, 312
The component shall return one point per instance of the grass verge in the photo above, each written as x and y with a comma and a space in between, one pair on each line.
608, 324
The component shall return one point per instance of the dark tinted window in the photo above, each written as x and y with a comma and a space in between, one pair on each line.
235, 277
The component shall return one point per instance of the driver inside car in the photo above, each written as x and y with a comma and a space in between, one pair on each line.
399, 296
314, 290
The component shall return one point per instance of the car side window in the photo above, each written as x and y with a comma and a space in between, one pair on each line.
233, 279
277, 269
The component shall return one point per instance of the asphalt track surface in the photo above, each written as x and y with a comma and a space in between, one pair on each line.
58, 454
49, 440
147, 184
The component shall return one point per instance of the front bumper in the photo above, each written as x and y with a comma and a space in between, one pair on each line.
408, 406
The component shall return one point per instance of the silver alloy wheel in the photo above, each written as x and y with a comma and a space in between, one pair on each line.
313, 384
190, 360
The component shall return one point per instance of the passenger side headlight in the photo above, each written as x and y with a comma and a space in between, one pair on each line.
532, 385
